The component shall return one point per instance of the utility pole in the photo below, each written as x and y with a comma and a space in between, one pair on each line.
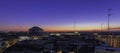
101, 27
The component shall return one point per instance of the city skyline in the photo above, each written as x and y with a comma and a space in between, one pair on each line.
58, 15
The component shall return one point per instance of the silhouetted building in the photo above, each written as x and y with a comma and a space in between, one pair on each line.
36, 31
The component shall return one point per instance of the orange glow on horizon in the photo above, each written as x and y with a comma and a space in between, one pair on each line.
58, 29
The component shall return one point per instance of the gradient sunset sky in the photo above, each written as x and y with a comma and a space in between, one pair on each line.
58, 15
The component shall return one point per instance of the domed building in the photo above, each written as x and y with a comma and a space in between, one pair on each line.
36, 31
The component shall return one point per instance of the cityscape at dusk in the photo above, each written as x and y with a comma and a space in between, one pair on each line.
59, 26
58, 15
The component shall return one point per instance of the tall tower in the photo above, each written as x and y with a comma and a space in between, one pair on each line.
108, 30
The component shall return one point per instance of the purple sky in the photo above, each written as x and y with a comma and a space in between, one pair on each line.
52, 14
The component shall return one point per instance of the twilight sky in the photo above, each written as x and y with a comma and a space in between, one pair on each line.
58, 15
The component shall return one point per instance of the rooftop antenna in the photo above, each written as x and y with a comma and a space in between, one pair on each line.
108, 30
101, 32
75, 31
75, 25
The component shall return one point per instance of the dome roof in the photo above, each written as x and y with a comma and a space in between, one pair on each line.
35, 30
